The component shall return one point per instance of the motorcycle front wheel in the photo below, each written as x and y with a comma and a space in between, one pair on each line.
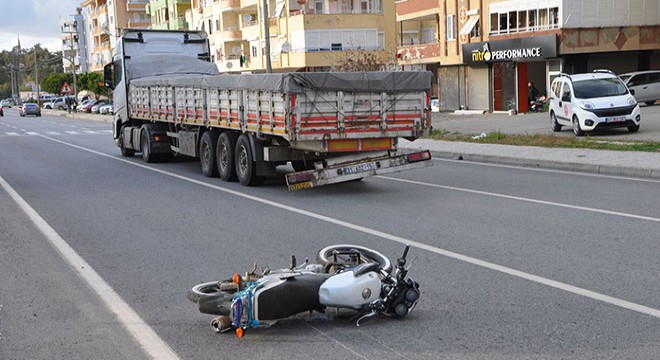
326, 256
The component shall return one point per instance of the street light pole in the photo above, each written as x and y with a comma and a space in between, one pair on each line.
269, 68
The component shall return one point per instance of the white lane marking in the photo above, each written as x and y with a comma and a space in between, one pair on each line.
150, 342
72, 132
12, 134
529, 168
518, 198
450, 254
52, 133
32, 133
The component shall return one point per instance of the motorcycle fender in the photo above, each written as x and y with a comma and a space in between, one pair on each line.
350, 291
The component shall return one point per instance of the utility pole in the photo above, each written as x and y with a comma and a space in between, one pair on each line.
269, 68
36, 75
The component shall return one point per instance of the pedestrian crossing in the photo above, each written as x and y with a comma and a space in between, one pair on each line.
54, 133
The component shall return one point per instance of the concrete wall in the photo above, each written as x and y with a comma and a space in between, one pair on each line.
605, 13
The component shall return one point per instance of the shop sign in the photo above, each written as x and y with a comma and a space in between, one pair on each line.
518, 49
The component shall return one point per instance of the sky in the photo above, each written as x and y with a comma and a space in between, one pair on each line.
33, 21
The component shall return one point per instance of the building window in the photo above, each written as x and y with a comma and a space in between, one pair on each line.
428, 35
318, 6
451, 24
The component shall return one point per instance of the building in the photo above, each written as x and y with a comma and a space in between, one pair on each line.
168, 14
490, 50
74, 43
304, 35
105, 19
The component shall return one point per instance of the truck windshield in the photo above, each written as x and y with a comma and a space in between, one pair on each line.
595, 88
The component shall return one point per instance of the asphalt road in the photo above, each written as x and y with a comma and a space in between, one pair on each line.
539, 123
514, 263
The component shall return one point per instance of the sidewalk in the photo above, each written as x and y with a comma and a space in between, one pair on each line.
621, 163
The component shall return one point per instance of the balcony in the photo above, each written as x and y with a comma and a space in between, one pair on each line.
139, 23
179, 23
417, 10
230, 5
231, 33
136, 5
100, 11
250, 4
418, 54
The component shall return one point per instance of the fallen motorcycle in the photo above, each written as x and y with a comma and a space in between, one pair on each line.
346, 277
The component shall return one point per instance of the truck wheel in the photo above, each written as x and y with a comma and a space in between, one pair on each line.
245, 165
122, 145
225, 156
147, 156
207, 153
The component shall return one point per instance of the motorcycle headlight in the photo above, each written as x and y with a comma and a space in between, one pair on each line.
587, 105
632, 101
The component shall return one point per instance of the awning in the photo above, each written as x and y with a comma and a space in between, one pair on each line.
469, 25
278, 10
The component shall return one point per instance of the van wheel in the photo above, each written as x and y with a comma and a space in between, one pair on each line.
577, 130
553, 120
633, 128
207, 154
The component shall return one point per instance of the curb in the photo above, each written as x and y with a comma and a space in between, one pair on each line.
548, 164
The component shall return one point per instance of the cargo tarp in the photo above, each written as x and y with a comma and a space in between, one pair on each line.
194, 76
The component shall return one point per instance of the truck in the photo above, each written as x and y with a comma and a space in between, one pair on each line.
170, 100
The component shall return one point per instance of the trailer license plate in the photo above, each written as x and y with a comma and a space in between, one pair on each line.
359, 168
300, 186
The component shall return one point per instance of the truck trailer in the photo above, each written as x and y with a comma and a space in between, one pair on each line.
169, 100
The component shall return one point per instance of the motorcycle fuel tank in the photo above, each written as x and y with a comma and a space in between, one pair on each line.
347, 290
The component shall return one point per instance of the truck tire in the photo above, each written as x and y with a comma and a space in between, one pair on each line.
207, 153
325, 255
125, 152
225, 156
245, 166
147, 156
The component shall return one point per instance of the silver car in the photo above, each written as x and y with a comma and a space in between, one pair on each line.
645, 84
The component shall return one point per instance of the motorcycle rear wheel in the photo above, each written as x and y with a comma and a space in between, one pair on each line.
210, 299
325, 257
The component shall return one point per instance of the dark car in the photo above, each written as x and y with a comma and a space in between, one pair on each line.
30, 109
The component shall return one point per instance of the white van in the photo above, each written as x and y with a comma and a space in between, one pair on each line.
646, 85
591, 101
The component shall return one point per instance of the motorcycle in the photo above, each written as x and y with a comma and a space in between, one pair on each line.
346, 277
538, 104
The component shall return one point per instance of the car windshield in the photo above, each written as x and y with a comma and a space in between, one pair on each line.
595, 88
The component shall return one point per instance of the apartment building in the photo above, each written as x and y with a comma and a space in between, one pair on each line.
105, 19
168, 14
303, 35
74, 43
490, 49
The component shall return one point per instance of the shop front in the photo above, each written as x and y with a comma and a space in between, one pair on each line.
512, 64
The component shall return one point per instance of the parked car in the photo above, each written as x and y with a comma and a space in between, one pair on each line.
106, 109
592, 101
82, 105
88, 108
30, 109
97, 105
435, 104
646, 85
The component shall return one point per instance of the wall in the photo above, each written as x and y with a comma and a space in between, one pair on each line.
606, 13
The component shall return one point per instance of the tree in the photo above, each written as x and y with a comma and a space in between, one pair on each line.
90, 81
53, 82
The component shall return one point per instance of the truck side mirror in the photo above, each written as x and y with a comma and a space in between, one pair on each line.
107, 76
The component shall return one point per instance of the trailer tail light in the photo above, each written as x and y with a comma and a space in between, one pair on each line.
420, 156
160, 137
299, 178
